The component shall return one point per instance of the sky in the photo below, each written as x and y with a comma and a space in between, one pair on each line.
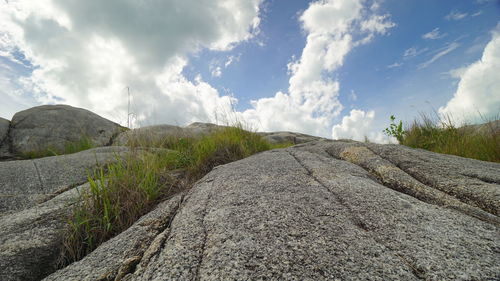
330, 68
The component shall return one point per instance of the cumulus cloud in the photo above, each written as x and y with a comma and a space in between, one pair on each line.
333, 28
478, 88
86, 52
358, 126
434, 34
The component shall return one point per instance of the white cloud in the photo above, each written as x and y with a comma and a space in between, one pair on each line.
231, 59
455, 15
478, 90
476, 14
444, 51
434, 34
353, 96
358, 126
413, 52
311, 103
395, 65
87, 52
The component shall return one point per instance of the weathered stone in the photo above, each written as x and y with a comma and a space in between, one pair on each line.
303, 214
23, 183
4, 141
288, 137
147, 135
55, 126
31, 240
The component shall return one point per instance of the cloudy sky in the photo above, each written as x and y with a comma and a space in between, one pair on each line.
333, 68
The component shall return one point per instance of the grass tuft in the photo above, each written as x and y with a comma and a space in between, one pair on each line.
122, 192
442, 136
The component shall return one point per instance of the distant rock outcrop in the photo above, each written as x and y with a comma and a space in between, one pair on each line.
157, 133
54, 126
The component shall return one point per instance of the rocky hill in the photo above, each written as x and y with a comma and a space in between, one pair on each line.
319, 210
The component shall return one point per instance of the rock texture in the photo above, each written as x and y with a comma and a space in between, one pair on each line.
326, 210
24, 183
4, 140
30, 240
54, 126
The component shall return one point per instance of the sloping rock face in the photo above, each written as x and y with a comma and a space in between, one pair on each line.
4, 141
54, 126
327, 210
24, 183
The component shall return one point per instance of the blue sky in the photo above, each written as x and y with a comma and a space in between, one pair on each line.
335, 68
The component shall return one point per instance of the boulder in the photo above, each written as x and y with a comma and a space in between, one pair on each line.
24, 183
55, 126
4, 138
148, 134
325, 210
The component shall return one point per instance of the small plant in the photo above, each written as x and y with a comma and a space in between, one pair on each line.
395, 130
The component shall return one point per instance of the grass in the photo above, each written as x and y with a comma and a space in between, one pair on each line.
71, 147
442, 136
122, 192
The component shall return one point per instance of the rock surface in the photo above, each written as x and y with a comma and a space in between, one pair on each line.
4, 141
326, 210
30, 240
24, 183
54, 126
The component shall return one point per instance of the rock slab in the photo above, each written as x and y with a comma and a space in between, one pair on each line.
24, 183
317, 211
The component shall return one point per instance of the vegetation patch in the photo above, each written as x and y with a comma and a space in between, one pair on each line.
122, 192
442, 136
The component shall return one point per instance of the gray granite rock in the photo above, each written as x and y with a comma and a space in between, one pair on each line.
54, 126
24, 183
4, 141
288, 137
305, 213
30, 240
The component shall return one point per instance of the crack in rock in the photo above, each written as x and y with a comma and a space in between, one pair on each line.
397, 179
358, 222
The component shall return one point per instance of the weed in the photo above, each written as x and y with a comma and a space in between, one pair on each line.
395, 130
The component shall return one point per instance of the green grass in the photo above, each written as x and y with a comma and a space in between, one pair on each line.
442, 136
71, 147
133, 185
